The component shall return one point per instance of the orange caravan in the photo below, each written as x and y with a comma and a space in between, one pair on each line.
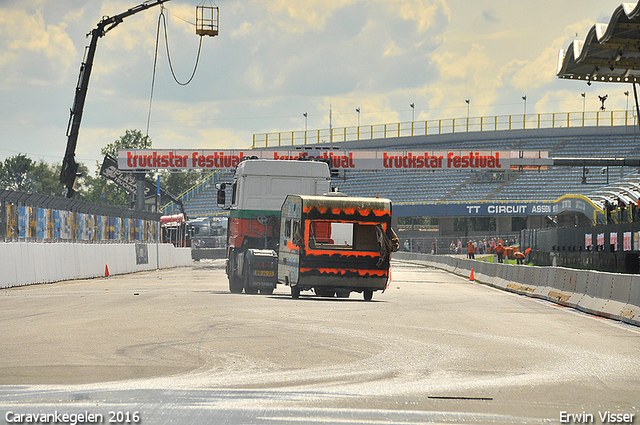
335, 245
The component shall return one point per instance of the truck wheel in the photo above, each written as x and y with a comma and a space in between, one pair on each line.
368, 294
247, 288
295, 292
266, 291
235, 285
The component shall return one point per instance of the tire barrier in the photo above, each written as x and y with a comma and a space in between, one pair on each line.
27, 263
612, 295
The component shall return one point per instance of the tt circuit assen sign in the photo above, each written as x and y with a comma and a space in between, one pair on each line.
565, 204
147, 159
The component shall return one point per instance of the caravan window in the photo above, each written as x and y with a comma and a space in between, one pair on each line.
287, 228
339, 235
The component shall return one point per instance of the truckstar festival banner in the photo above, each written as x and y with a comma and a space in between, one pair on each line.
172, 159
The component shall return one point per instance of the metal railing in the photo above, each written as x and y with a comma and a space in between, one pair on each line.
43, 218
447, 126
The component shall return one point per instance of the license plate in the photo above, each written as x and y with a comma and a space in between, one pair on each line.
264, 273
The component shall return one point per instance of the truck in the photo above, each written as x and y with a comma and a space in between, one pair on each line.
267, 243
257, 192
335, 245
209, 238
176, 230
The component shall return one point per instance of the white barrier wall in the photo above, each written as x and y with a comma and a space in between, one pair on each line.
612, 295
26, 263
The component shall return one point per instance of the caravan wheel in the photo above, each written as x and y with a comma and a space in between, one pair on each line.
295, 292
368, 294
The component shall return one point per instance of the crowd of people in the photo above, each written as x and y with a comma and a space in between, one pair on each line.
480, 246
502, 249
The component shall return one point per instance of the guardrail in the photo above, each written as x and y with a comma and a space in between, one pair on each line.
612, 295
446, 126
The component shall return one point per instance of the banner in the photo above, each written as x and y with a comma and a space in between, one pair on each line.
173, 159
588, 241
110, 170
626, 237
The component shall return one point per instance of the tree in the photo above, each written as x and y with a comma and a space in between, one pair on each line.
178, 182
15, 173
100, 190
46, 179
132, 139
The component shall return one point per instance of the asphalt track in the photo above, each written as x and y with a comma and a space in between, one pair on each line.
175, 347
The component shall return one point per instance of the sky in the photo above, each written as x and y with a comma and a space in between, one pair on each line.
274, 60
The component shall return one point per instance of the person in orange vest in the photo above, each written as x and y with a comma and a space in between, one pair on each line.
499, 250
471, 251
520, 257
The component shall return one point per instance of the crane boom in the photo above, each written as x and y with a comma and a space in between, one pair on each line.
69, 170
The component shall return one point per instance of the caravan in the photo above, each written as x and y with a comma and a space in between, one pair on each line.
335, 245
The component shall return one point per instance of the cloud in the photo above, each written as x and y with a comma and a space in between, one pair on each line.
25, 39
425, 13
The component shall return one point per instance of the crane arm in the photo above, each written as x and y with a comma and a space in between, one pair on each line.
69, 170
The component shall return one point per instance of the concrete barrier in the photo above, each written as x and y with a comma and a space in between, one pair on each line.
27, 263
579, 289
612, 295
631, 312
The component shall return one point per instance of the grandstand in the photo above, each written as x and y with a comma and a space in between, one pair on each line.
473, 186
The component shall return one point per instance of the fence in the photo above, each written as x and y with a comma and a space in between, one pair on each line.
611, 248
447, 126
32, 217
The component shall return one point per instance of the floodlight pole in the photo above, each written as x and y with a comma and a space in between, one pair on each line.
635, 96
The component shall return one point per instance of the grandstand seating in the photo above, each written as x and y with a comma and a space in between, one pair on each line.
464, 186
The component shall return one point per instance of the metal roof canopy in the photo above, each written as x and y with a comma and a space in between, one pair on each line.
610, 52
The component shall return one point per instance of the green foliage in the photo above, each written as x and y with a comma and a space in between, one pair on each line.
21, 173
132, 139
15, 173
46, 179
176, 183
99, 189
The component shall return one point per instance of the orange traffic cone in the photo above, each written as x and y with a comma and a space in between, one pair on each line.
472, 277
106, 271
